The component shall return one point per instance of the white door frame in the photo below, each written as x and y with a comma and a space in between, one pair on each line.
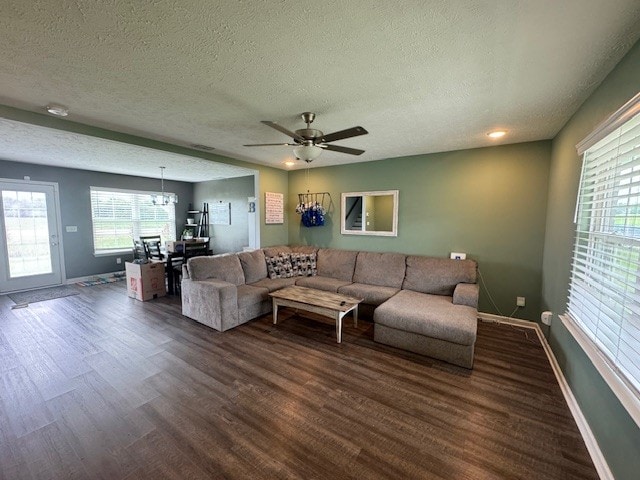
254, 234
58, 221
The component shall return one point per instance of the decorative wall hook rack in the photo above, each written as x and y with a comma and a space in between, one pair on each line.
313, 207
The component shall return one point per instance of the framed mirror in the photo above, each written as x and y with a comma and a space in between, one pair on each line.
370, 213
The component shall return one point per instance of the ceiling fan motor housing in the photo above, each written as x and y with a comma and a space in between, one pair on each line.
310, 134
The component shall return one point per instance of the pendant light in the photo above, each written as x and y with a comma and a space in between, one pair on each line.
163, 198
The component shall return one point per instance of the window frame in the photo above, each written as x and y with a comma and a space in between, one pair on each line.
614, 376
140, 198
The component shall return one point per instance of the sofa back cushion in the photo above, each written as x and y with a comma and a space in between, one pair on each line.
438, 276
223, 267
306, 249
338, 264
254, 266
382, 269
274, 251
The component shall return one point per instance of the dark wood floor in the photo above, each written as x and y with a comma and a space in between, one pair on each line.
102, 386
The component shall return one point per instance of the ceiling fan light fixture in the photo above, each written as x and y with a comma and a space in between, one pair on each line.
308, 153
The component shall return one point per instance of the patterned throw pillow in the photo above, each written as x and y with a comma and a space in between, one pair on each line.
279, 266
304, 264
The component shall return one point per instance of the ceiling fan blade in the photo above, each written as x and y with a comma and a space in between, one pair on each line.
270, 144
348, 133
280, 128
338, 148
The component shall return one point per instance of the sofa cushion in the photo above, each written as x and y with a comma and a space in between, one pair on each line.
434, 316
321, 283
304, 249
384, 269
273, 251
338, 264
438, 276
303, 264
466, 294
275, 284
279, 266
250, 295
222, 267
370, 294
254, 265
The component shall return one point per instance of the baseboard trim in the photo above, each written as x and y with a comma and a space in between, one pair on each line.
90, 278
587, 435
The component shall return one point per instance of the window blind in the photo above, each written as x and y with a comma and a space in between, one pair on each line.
604, 290
119, 216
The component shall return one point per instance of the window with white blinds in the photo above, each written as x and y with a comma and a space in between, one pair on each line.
119, 216
604, 291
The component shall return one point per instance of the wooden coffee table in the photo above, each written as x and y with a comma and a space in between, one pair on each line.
328, 304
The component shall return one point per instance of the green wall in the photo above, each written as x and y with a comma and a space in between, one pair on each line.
616, 432
489, 203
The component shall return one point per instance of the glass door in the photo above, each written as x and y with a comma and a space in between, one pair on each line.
30, 256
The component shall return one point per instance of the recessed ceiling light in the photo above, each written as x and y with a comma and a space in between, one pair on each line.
497, 134
58, 110
289, 163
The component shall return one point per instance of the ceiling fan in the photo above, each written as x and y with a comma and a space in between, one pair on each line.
309, 142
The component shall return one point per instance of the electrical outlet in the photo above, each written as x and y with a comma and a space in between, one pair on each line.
520, 301
118, 260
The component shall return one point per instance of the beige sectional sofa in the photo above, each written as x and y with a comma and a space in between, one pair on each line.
422, 304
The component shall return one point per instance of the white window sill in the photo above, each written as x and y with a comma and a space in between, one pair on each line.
113, 253
625, 392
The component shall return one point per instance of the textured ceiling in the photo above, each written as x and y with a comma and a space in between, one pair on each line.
45, 146
421, 76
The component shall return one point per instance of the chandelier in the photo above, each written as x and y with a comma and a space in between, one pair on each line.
163, 198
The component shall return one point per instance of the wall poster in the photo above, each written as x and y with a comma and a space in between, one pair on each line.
220, 213
273, 208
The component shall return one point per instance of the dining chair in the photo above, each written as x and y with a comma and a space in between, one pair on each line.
139, 250
153, 244
197, 249
153, 250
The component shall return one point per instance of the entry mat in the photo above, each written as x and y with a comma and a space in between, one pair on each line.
23, 299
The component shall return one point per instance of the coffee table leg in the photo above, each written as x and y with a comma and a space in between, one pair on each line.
275, 311
339, 326
355, 316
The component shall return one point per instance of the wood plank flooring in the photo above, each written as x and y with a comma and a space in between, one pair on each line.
99, 385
